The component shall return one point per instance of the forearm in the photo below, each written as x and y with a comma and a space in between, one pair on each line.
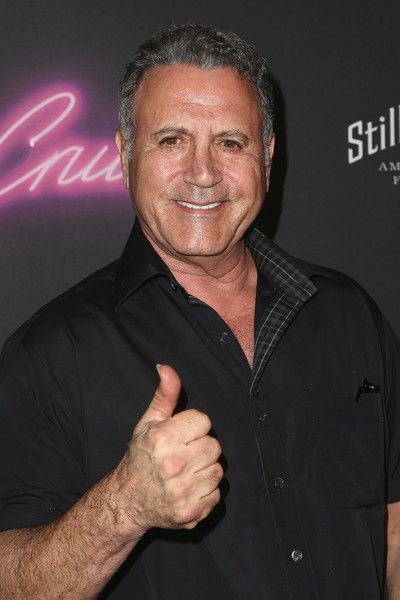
75, 556
393, 574
393, 551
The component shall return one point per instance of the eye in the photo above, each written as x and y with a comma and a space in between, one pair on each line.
171, 140
231, 145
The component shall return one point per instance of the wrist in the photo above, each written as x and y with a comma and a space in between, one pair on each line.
122, 503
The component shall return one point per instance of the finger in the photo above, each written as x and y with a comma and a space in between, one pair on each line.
204, 452
208, 504
165, 397
193, 424
207, 480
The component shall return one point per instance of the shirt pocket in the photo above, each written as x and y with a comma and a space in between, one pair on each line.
350, 438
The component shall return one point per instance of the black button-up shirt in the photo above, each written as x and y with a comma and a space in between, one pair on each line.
310, 435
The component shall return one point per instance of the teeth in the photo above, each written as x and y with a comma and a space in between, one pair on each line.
203, 207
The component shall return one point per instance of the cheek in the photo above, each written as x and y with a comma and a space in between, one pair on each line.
143, 183
165, 163
249, 181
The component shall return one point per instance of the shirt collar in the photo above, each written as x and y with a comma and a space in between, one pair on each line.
139, 262
284, 272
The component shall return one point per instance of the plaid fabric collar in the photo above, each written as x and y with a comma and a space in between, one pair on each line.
292, 289
278, 267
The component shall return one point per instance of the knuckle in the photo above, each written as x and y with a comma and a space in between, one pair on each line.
217, 473
171, 467
215, 446
152, 434
177, 491
205, 512
185, 514
216, 496
192, 413
158, 435
200, 417
206, 421
213, 500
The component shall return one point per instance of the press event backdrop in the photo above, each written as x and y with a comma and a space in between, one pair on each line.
335, 193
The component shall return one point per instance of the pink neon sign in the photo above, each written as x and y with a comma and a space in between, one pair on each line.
41, 155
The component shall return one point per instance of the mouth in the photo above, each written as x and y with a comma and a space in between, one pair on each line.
199, 206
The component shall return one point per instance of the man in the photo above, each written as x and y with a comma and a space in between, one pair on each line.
265, 449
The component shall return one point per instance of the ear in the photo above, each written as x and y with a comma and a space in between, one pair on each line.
271, 147
120, 142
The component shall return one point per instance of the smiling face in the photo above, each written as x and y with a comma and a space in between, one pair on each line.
196, 175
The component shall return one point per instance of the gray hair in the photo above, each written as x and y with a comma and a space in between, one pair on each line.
202, 46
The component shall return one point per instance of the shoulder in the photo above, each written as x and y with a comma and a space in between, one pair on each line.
333, 283
70, 312
341, 299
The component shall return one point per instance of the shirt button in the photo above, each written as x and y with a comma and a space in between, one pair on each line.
173, 285
279, 483
223, 337
262, 417
255, 392
297, 555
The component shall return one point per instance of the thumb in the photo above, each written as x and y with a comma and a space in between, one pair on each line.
165, 397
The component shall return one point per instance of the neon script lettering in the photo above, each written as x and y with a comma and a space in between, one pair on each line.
40, 155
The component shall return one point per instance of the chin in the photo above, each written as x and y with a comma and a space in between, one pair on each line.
189, 244
200, 250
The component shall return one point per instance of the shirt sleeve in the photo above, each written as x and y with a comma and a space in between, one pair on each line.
41, 457
391, 397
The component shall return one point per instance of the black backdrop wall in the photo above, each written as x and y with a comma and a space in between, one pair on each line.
336, 179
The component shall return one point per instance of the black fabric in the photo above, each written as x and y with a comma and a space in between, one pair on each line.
310, 455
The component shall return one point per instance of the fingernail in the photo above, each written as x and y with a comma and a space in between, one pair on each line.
158, 367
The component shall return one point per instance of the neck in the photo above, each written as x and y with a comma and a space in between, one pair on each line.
202, 276
227, 283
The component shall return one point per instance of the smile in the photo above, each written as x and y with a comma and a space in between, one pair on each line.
198, 206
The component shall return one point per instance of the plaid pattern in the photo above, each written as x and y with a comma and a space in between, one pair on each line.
292, 289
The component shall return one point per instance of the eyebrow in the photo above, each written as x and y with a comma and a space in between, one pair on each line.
170, 131
234, 133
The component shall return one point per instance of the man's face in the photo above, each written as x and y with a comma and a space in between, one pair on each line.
197, 174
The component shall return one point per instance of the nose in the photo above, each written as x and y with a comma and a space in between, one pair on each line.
201, 169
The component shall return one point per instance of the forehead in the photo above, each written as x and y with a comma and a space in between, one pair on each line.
191, 91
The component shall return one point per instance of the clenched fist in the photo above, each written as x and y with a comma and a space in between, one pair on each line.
170, 474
